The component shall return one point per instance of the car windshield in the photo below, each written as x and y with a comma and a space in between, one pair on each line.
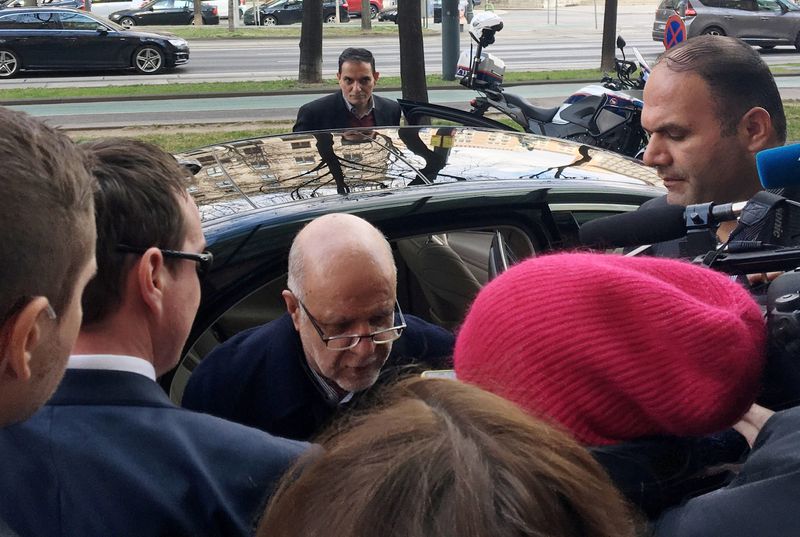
789, 5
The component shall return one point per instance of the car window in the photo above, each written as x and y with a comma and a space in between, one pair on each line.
161, 5
76, 21
29, 21
184, 4
769, 5
438, 276
742, 5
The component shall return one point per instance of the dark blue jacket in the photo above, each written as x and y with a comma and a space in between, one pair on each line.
110, 455
761, 501
260, 377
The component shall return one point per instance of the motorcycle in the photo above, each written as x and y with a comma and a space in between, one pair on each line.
602, 115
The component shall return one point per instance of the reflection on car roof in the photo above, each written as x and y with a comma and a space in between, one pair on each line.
266, 172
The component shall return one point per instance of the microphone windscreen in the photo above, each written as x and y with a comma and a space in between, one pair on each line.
779, 167
646, 226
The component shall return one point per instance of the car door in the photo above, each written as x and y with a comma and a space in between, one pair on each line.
159, 12
182, 12
293, 12
776, 22
88, 48
35, 36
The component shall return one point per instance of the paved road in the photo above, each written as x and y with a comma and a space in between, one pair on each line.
530, 40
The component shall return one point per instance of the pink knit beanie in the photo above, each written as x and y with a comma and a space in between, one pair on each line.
615, 348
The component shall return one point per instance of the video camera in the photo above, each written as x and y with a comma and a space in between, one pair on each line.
766, 239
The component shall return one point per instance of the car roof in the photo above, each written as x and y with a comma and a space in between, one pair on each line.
284, 172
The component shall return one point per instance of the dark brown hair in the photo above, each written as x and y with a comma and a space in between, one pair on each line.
46, 216
441, 458
136, 204
736, 75
353, 54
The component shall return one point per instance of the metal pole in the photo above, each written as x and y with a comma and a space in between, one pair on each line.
450, 39
556, 12
595, 14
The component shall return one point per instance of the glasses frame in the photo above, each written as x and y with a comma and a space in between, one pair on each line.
357, 337
204, 260
20, 304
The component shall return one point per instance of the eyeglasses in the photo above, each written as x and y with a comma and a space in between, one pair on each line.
203, 260
18, 306
344, 342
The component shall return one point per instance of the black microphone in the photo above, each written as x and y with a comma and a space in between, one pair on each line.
634, 228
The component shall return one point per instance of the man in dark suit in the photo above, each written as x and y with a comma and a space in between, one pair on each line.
343, 330
110, 454
355, 105
47, 238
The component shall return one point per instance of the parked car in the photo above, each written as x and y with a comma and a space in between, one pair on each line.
291, 11
48, 39
390, 14
164, 12
375, 7
766, 23
476, 200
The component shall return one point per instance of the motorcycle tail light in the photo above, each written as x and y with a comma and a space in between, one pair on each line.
690, 11
214, 10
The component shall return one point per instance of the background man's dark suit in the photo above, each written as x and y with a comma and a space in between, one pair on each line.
110, 455
261, 378
330, 112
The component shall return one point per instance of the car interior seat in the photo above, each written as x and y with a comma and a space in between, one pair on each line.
448, 285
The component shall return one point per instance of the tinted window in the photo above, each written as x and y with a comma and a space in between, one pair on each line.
28, 21
161, 5
76, 21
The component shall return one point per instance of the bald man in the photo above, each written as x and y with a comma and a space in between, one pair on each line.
342, 332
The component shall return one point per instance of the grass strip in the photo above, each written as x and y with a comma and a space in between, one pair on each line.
171, 88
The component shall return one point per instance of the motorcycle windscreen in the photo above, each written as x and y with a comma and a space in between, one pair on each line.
592, 114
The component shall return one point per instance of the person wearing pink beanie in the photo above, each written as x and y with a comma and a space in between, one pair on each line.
617, 349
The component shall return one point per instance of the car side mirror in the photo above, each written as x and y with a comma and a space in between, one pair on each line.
102, 30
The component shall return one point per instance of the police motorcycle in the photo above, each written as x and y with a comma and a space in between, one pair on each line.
599, 115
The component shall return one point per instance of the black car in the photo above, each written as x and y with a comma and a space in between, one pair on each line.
291, 11
391, 13
164, 13
458, 205
47, 39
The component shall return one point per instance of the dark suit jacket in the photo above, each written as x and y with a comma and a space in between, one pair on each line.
110, 455
330, 112
260, 377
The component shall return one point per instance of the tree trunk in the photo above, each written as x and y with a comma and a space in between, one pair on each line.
366, 19
198, 13
412, 51
233, 14
311, 43
609, 36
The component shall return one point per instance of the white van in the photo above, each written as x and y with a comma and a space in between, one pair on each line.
104, 8
222, 6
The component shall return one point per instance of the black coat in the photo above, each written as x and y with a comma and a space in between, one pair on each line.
330, 112
761, 500
260, 377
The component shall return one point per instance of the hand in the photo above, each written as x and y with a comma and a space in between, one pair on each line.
752, 422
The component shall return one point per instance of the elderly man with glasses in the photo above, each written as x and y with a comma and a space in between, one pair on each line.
110, 454
343, 330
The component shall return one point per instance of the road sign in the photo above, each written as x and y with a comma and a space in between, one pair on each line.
674, 31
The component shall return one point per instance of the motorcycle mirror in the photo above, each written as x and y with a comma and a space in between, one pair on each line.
620, 42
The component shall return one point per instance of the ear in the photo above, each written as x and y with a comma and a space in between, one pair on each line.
151, 277
23, 337
339, 75
376, 75
756, 128
293, 307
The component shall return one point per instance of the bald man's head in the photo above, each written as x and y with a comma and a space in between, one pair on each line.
342, 281
331, 240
